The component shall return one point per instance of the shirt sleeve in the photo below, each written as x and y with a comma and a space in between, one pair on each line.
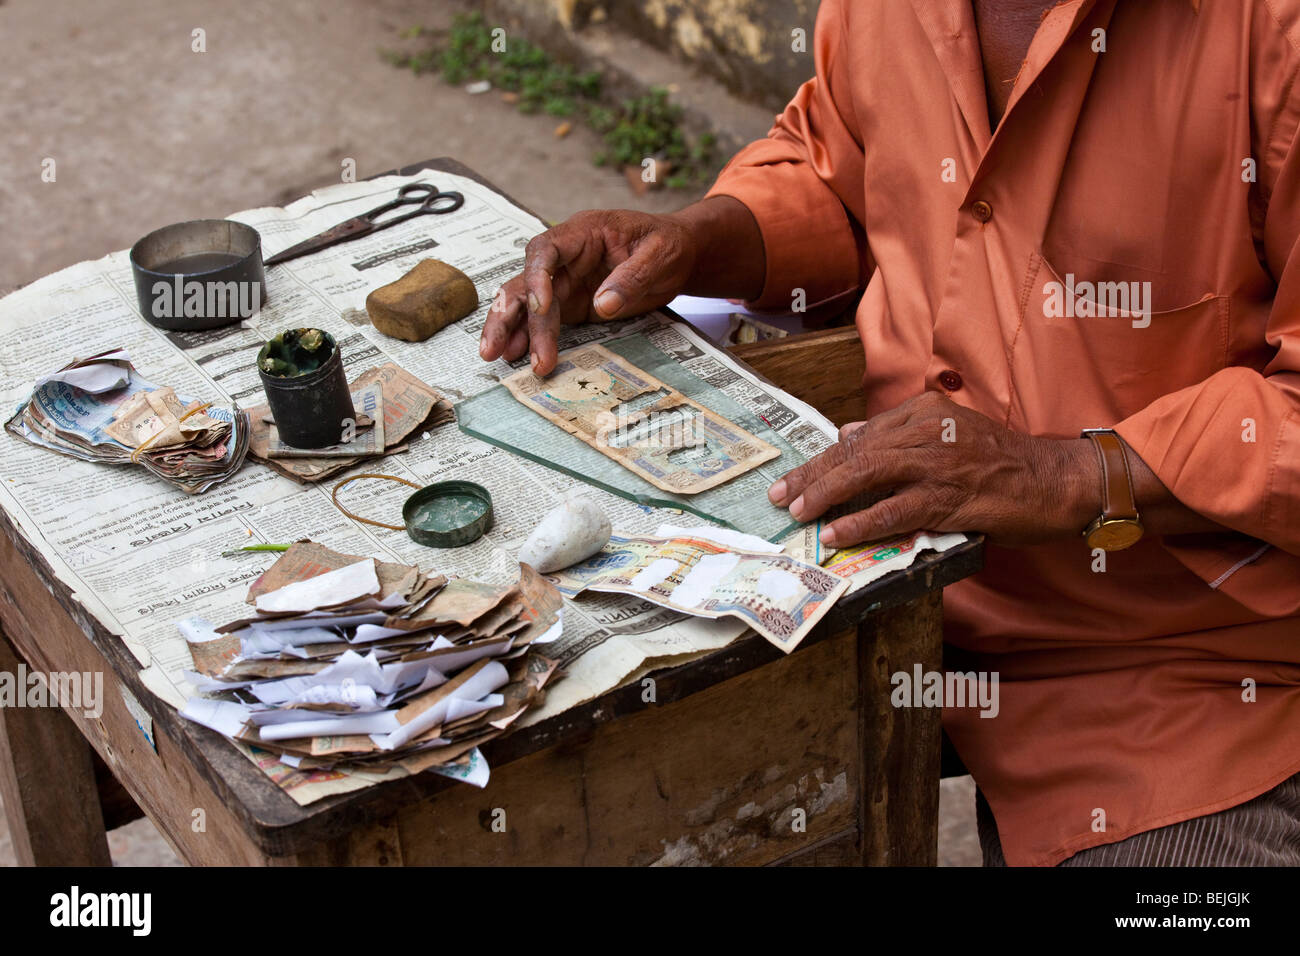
794, 182
1229, 447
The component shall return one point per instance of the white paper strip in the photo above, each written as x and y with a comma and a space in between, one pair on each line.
333, 587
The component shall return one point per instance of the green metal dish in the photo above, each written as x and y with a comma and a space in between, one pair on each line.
448, 514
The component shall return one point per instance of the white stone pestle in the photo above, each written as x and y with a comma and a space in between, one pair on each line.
571, 532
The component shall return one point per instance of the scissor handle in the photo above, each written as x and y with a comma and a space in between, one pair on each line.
435, 201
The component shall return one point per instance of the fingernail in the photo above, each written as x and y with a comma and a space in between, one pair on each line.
796, 506
827, 536
482, 347
608, 302
533, 360
776, 494
534, 304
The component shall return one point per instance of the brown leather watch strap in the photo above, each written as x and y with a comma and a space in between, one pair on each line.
1118, 501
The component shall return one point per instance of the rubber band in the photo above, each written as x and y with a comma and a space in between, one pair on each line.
334, 495
135, 455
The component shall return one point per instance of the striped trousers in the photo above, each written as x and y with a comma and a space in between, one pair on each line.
1264, 831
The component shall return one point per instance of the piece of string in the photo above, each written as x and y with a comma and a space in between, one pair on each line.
378, 524
135, 455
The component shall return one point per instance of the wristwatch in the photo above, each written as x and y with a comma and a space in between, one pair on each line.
1118, 526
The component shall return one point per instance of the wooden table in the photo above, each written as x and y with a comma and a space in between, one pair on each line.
746, 756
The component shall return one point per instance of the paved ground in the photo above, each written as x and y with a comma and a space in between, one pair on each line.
143, 132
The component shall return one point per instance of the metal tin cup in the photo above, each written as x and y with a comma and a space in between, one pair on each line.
312, 409
446, 514
199, 275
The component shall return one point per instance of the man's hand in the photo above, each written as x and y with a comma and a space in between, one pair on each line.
947, 468
596, 266
610, 264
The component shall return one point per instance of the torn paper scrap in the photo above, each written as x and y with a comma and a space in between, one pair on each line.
333, 587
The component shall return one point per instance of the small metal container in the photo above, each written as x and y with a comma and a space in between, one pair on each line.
311, 409
448, 514
445, 514
199, 275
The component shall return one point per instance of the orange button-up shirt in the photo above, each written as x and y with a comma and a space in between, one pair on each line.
1149, 143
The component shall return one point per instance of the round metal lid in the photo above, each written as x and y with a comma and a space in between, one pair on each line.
448, 514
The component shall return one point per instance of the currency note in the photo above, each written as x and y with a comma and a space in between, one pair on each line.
632, 417
776, 595
407, 404
156, 418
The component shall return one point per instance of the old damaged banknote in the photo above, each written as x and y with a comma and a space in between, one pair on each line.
776, 595
650, 428
403, 405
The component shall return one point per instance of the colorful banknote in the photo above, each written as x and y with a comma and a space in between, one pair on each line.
776, 595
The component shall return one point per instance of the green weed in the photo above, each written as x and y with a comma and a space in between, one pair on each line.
631, 130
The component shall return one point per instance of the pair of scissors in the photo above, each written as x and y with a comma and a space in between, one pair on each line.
426, 197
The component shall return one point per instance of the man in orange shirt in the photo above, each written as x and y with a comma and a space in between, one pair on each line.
1071, 231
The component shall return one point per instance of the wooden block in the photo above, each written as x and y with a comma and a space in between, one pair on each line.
428, 298
900, 745
823, 368
47, 781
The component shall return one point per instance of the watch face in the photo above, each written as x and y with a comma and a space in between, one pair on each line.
1115, 535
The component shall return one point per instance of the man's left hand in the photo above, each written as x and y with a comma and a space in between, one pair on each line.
946, 468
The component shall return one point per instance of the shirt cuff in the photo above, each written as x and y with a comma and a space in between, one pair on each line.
1226, 449
808, 241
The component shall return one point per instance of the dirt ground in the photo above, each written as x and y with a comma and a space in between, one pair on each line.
144, 131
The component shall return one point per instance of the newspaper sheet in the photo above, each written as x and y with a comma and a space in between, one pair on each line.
142, 556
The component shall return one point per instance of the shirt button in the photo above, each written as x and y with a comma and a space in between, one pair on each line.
981, 210
950, 380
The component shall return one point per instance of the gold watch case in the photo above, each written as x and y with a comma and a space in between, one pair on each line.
1114, 534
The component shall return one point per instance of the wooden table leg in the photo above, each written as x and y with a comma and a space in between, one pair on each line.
900, 745
47, 781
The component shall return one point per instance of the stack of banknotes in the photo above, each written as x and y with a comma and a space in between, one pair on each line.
347, 663
101, 409
390, 404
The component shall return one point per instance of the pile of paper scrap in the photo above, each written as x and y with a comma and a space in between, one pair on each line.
101, 409
354, 664
390, 404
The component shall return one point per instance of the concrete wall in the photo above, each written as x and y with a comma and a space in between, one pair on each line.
748, 45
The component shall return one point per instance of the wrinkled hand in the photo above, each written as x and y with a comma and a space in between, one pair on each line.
947, 468
598, 265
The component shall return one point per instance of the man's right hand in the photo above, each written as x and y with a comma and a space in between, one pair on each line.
598, 265
610, 264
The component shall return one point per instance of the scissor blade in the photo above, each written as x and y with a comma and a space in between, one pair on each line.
356, 226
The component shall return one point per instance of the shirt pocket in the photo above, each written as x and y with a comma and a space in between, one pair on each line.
1091, 354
